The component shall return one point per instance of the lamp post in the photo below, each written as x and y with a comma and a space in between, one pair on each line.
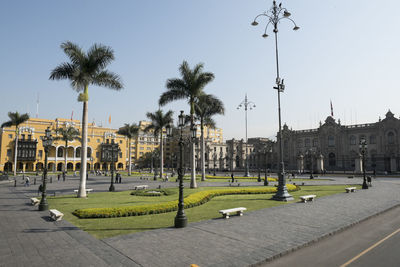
247, 105
180, 219
274, 16
114, 149
311, 154
47, 140
363, 150
215, 159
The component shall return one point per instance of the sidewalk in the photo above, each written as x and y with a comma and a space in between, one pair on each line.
29, 238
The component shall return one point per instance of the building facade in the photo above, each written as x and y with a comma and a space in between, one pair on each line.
336, 147
30, 156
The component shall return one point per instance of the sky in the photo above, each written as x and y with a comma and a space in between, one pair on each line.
346, 52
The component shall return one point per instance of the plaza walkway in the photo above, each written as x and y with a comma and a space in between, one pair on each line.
28, 237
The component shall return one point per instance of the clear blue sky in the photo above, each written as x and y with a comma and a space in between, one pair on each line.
347, 51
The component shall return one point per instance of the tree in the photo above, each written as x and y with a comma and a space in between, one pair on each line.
16, 120
205, 109
67, 134
129, 131
86, 69
189, 87
159, 121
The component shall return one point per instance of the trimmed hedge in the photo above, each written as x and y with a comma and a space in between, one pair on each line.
270, 179
190, 201
145, 193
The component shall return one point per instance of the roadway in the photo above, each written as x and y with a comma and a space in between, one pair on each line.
374, 242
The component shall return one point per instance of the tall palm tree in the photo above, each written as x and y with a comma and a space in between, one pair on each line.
189, 87
159, 121
129, 131
67, 134
16, 120
86, 69
205, 109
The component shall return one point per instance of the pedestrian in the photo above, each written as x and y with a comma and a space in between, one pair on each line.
27, 180
120, 178
87, 176
58, 177
369, 180
63, 176
40, 189
233, 179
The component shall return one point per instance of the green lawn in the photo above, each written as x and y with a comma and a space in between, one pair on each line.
104, 228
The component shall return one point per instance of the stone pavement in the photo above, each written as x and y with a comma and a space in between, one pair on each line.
28, 237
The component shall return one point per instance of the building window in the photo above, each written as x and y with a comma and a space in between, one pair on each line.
97, 154
22, 136
120, 141
332, 160
307, 142
372, 139
10, 136
88, 139
315, 142
89, 153
391, 138
141, 148
40, 154
149, 148
78, 152
60, 152
29, 137
331, 141
9, 152
352, 140
98, 140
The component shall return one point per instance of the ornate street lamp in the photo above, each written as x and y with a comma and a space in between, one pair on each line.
180, 219
47, 141
215, 159
114, 154
363, 150
274, 16
247, 105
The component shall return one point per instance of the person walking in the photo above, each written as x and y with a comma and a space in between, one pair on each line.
233, 179
27, 180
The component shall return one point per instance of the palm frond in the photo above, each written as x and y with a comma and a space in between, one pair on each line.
172, 95
74, 52
108, 79
99, 56
63, 71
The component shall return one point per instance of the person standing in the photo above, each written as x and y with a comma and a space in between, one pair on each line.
27, 180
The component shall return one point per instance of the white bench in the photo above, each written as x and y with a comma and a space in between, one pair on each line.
239, 211
87, 190
350, 189
304, 199
140, 187
56, 215
34, 201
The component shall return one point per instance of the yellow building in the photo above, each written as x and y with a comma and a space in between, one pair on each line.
31, 151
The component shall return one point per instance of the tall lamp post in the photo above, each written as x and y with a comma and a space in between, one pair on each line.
114, 154
47, 140
274, 16
363, 150
215, 159
311, 154
180, 219
247, 105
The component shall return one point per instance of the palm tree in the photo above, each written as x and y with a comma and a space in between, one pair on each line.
159, 121
16, 120
129, 131
67, 134
205, 108
189, 87
86, 69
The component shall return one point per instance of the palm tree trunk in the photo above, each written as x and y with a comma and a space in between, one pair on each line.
130, 158
82, 184
161, 155
16, 150
66, 154
203, 165
193, 183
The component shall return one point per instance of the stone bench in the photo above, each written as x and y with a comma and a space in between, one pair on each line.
226, 213
350, 189
35, 201
56, 215
140, 187
304, 199
87, 190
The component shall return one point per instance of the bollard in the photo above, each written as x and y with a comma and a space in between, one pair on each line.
34, 181
15, 182
51, 179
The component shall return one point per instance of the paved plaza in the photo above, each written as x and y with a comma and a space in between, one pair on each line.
29, 237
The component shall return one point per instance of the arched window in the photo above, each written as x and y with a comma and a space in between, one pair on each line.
372, 139
332, 159
89, 152
390, 138
60, 152
331, 140
315, 142
353, 140
78, 152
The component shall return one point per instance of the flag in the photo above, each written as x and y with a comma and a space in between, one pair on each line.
109, 119
72, 115
331, 109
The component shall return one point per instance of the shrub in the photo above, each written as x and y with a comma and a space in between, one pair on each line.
146, 193
270, 179
192, 200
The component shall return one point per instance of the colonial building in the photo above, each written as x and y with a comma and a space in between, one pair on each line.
30, 155
335, 147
